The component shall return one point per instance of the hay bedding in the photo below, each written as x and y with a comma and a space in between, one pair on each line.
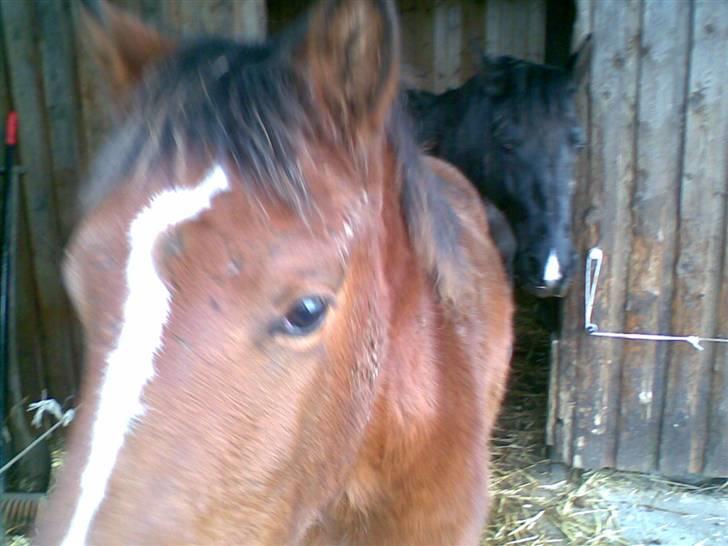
531, 506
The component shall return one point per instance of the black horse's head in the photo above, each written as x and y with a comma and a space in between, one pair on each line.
518, 141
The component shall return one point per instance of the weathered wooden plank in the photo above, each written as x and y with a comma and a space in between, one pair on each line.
612, 138
5, 98
25, 371
27, 322
512, 19
200, 17
566, 354
700, 243
507, 26
663, 69
495, 21
447, 45
33, 144
95, 111
250, 19
716, 462
535, 36
61, 102
417, 36
473, 38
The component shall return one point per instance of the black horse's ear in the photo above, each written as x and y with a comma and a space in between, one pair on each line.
350, 55
492, 75
122, 45
579, 62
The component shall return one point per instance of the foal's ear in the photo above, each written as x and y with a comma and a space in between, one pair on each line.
350, 57
123, 45
578, 63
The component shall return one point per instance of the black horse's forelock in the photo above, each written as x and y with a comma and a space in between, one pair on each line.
531, 89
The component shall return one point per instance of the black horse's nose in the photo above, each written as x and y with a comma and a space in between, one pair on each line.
542, 275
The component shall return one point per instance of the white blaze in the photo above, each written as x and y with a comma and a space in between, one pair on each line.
130, 365
552, 270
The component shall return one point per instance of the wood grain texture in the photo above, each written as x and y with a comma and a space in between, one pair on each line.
42, 210
250, 20
447, 45
701, 243
654, 216
61, 103
612, 137
651, 193
516, 27
566, 357
716, 461
5, 93
473, 38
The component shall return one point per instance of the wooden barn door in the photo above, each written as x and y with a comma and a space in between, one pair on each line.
651, 193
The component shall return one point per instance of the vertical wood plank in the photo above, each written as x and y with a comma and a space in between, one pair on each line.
417, 41
95, 112
37, 182
25, 373
518, 38
566, 357
516, 28
612, 137
716, 462
28, 342
700, 243
200, 17
447, 45
535, 36
494, 23
250, 19
473, 40
654, 215
60, 96
5, 95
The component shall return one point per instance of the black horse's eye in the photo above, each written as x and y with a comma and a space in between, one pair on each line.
509, 145
305, 316
577, 138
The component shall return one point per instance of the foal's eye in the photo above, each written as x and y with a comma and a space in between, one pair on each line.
305, 316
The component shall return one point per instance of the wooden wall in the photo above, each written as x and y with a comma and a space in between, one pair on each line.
441, 38
651, 193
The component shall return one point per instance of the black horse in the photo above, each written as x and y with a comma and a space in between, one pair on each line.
513, 130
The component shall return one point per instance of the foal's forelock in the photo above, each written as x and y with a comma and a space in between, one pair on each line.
130, 364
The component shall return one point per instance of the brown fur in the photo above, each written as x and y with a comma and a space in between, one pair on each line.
374, 429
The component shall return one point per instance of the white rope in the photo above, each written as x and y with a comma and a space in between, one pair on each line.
47, 405
593, 267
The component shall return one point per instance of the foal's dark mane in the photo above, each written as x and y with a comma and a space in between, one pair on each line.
245, 106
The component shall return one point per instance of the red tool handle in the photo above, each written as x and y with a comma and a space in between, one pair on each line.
11, 129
